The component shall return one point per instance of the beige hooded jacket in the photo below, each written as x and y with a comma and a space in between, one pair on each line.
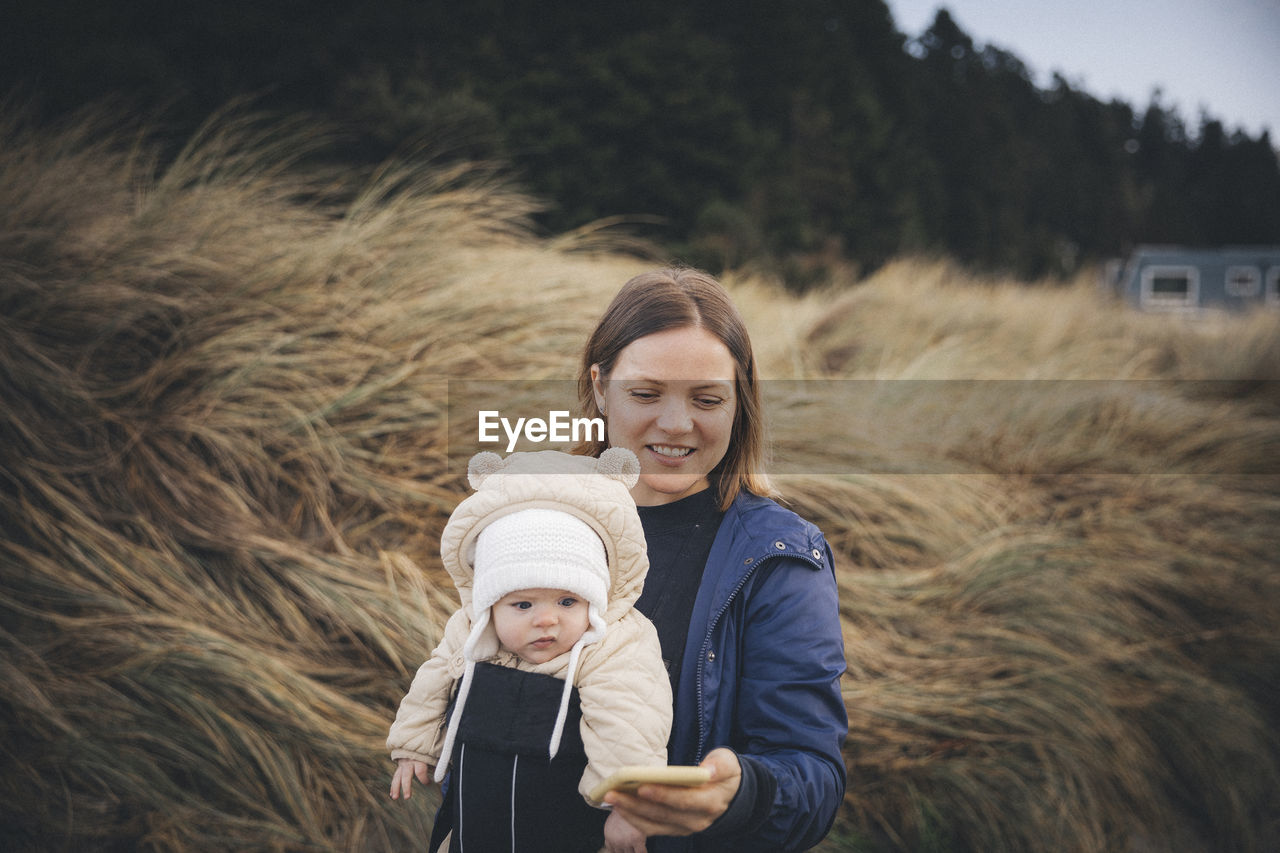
622, 684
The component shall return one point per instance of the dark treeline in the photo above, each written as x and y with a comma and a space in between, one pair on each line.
795, 133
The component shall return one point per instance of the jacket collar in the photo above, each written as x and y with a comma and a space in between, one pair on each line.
756, 529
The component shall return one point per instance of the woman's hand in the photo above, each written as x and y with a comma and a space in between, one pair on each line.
675, 810
622, 837
406, 769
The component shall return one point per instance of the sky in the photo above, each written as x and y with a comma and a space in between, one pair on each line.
1220, 56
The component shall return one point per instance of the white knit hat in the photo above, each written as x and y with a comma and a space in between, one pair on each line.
540, 549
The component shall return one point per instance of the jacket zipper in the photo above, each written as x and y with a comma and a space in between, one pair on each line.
706, 648
711, 627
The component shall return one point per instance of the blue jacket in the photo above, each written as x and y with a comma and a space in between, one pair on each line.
761, 673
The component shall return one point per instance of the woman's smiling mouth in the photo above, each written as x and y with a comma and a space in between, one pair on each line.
670, 451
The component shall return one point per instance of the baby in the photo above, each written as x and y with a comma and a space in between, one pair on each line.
559, 678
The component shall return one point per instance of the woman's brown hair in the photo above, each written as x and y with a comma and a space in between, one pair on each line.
679, 298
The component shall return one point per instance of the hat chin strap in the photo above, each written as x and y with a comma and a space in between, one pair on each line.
596, 632
464, 689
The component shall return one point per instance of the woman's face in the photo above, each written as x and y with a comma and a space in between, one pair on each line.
670, 400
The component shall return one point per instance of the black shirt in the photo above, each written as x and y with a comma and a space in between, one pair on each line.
679, 537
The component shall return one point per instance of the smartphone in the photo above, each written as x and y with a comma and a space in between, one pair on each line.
630, 778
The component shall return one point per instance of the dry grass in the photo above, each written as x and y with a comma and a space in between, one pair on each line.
223, 398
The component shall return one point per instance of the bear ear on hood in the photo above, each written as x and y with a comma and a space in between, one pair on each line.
619, 464
482, 465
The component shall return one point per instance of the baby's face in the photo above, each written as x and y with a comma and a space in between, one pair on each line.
539, 624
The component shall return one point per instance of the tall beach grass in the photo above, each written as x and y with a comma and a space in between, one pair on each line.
224, 467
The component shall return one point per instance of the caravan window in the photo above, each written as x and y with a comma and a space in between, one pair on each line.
1170, 286
1243, 282
1273, 287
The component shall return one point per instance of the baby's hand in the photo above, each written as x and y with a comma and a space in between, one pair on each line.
622, 837
406, 769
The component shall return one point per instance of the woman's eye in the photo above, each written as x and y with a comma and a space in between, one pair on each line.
643, 396
708, 402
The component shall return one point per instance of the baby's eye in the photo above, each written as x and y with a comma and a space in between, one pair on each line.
521, 605
568, 601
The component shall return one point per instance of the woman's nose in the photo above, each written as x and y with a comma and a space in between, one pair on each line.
674, 418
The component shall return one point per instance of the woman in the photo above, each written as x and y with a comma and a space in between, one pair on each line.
742, 591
